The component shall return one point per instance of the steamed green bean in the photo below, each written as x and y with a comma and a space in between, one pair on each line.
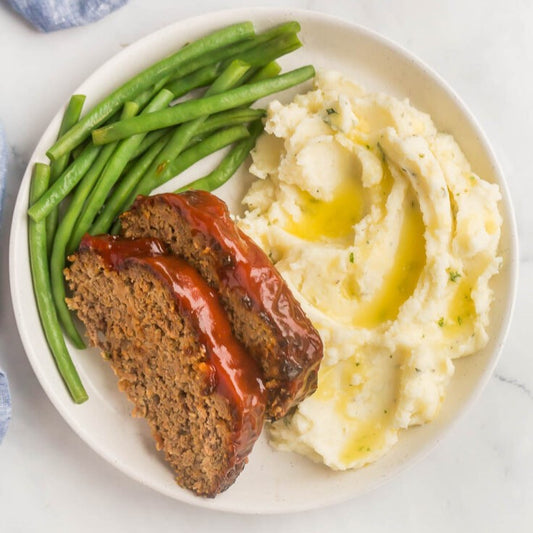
43, 296
150, 76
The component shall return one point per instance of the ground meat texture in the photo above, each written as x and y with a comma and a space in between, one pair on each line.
170, 344
264, 314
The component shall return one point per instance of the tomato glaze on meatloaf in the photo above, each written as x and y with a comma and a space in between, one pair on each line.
170, 343
265, 316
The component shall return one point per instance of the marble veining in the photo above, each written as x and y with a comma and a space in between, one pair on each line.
515, 383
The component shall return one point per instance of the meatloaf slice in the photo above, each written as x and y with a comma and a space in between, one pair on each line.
169, 342
265, 315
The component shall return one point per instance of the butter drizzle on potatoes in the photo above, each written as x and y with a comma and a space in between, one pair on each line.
389, 240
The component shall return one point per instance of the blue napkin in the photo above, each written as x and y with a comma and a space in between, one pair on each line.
5, 405
5, 401
52, 15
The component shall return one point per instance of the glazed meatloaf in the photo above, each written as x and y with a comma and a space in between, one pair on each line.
266, 317
170, 343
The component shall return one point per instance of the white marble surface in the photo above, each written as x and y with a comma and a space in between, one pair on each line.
480, 478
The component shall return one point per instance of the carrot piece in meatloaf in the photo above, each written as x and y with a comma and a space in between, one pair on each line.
170, 343
266, 317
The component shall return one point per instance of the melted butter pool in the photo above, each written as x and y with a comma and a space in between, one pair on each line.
400, 281
340, 386
335, 219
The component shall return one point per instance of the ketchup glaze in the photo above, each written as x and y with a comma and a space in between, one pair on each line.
231, 372
246, 268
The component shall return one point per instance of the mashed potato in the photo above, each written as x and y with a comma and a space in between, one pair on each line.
389, 241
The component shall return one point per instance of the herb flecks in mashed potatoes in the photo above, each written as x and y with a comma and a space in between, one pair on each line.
389, 241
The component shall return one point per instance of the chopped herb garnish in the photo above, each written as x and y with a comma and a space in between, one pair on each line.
352, 259
418, 369
454, 275
459, 320
331, 111
383, 157
441, 322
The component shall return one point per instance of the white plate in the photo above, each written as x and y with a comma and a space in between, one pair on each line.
272, 481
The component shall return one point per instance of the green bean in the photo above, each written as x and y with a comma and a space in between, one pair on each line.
119, 114
188, 157
76, 152
232, 117
130, 109
115, 228
260, 50
64, 184
239, 115
70, 117
75, 206
113, 170
148, 77
225, 119
270, 70
223, 56
191, 109
259, 73
229, 165
199, 78
204, 69
43, 296
264, 53
64, 230
184, 133
237, 50
150, 139
146, 96
179, 87
262, 58
60, 250
293, 26
71, 177
142, 187
114, 204
234, 74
